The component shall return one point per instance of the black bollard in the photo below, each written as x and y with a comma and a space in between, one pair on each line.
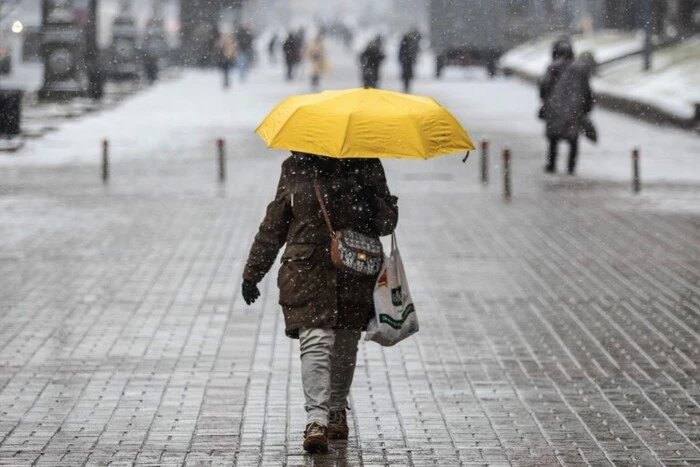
484, 162
105, 161
506, 175
636, 180
222, 160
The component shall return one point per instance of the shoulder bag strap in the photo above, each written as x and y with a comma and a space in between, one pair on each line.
317, 188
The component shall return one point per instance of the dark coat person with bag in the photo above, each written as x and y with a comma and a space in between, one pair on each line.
567, 107
324, 308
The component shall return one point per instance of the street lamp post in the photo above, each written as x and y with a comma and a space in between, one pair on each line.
92, 54
648, 31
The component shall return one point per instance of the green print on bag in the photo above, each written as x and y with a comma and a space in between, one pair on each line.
397, 323
396, 296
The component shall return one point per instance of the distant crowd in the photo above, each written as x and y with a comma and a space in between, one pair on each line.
237, 51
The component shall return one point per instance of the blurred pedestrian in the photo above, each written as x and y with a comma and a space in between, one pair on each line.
317, 56
272, 49
226, 55
370, 61
244, 58
408, 55
323, 307
566, 109
291, 54
562, 55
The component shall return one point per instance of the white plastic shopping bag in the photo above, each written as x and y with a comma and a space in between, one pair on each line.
395, 316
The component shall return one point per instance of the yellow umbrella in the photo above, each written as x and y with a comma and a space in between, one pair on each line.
364, 123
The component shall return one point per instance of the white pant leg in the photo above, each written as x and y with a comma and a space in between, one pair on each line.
316, 347
343, 366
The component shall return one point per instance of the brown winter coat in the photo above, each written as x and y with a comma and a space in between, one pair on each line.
312, 292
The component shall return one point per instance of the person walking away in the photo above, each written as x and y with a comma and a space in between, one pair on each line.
323, 307
408, 54
567, 108
150, 65
289, 47
226, 50
317, 56
244, 38
562, 56
272, 49
370, 61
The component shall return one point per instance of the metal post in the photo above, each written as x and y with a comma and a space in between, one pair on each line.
222, 160
95, 88
484, 162
648, 31
636, 180
506, 175
105, 161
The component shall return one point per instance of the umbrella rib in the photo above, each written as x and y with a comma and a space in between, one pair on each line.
420, 134
345, 135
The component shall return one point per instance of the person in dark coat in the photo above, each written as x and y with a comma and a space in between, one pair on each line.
323, 307
370, 61
408, 54
272, 49
245, 56
562, 56
567, 107
290, 48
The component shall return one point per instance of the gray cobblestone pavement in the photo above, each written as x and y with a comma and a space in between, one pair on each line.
562, 328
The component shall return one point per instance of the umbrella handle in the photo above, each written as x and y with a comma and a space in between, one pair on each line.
466, 157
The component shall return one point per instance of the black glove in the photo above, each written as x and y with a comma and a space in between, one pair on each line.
250, 291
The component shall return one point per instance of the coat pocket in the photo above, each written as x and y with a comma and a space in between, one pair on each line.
300, 278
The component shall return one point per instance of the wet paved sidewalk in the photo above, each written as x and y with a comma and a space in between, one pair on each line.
562, 328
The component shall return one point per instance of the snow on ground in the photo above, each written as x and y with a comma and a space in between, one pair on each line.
672, 85
176, 119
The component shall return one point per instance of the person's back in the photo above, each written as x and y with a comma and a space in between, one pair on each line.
245, 40
408, 53
551, 77
324, 307
288, 46
570, 99
566, 109
405, 57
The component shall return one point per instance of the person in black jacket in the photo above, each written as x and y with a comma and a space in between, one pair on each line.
370, 61
290, 49
408, 54
562, 56
567, 107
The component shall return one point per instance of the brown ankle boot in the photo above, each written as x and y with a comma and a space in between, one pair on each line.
315, 438
337, 424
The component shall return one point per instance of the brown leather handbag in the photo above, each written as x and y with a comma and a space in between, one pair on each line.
351, 251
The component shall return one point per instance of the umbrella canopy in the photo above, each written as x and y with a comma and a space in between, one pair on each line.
364, 123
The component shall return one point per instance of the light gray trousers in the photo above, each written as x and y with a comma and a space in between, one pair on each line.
327, 367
